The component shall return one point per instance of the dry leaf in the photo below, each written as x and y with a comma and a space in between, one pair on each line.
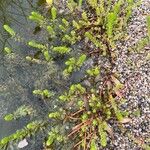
119, 94
118, 84
110, 131
125, 120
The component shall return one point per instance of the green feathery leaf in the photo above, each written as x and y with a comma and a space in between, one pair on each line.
9, 30
54, 13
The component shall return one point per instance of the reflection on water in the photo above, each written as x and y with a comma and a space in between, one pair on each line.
17, 76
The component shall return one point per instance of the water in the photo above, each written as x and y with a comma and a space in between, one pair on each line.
18, 78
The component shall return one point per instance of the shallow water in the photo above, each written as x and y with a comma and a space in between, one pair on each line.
18, 77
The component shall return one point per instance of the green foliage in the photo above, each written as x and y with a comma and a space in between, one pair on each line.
74, 64
29, 130
84, 16
74, 89
53, 13
94, 71
148, 26
33, 60
9, 117
37, 45
14, 35
80, 3
111, 19
102, 133
81, 60
64, 97
71, 5
76, 25
72, 38
46, 55
65, 22
7, 50
20, 112
93, 39
61, 49
137, 113
93, 145
44, 93
37, 17
116, 110
141, 44
93, 3
129, 10
9, 30
55, 115
116, 7
43, 48
51, 138
51, 31
54, 136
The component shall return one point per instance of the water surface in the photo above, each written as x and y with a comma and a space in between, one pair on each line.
18, 78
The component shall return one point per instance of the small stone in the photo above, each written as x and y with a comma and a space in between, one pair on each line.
22, 143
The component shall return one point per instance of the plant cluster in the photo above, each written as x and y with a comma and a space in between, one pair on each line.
95, 25
20, 112
44, 93
30, 130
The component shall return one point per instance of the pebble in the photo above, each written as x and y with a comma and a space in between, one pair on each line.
135, 74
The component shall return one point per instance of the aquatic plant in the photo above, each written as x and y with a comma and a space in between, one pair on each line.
44, 93
20, 112
7, 50
29, 130
74, 64
95, 27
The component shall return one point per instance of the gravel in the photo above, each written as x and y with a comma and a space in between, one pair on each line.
134, 71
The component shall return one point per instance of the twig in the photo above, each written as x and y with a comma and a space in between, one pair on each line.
77, 112
78, 127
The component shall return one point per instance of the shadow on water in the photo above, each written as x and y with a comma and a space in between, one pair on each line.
18, 77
